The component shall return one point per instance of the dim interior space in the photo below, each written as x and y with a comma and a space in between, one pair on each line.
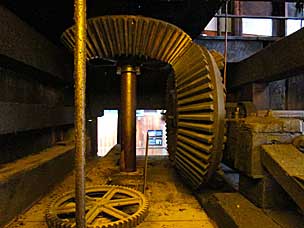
149, 114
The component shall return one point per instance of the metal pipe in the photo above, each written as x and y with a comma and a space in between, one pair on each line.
278, 26
237, 29
80, 125
258, 17
146, 163
128, 118
218, 24
226, 43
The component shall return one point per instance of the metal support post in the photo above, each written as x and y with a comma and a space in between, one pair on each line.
146, 163
80, 124
218, 24
278, 26
237, 28
226, 43
128, 118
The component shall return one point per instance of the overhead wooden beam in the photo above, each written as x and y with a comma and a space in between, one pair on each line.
280, 60
22, 117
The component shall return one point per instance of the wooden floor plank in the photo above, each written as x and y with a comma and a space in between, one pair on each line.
286, 164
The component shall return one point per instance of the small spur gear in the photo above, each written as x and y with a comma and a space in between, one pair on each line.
106, 206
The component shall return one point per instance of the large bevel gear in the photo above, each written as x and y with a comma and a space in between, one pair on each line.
196, 95
106, 206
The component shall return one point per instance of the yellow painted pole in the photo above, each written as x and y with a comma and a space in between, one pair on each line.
80, 126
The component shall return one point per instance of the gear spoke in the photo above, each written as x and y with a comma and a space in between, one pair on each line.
92, 214
114, 212
110, 193
125, 211
90, 199
70, 208
66, 209
123, 202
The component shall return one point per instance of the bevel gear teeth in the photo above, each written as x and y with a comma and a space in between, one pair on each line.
199, 106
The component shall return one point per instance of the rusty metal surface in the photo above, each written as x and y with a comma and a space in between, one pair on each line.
106, 206
199, 110
112, 36
80, 123
128, 119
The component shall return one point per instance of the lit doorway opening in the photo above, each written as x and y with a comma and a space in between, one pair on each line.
107, 131
146, 120
154, 122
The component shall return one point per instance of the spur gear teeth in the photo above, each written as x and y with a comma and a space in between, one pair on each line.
63, 219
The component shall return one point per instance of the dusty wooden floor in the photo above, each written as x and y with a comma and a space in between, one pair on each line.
171, 203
